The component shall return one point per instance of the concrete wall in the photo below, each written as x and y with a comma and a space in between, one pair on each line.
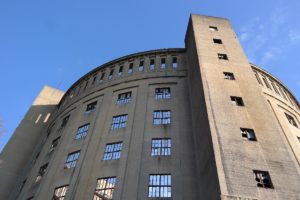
18, 151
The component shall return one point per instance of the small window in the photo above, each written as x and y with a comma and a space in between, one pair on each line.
162, 93
102, 76
248, 134
72, 159
130, 69
279, 88
54, 144
60, 192
85, 86
238, 101
217, 41
94, 80
163, 63
229, 76
120, 70
64, 122
124, 98
113, 151
160, 186
274, 87
257, 78
41, 173
263, 179
141, 66
161, 117
213, 28
222, 56
174, 63
111, 73
119, 121
82, 131
152, 64
291, 120
161, 147
105, 188
91, 107
266, 83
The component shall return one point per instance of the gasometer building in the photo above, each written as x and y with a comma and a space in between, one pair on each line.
198, 122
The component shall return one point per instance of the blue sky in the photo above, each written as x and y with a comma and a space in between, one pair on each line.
56, 42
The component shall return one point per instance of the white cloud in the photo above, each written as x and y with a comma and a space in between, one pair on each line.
294, 36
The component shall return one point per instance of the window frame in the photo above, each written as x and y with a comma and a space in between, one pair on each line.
113, 151
105, 190
162, 93
161, 147
122, 123
82, 131
158, 188
259, 175
249, 134
163, 119
124, 98
72, 159
64, 190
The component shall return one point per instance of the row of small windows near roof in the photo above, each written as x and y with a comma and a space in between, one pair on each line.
152, 63
273, 86
159, 186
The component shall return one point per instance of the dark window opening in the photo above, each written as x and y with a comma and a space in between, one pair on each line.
91, 107
263, 179
111, 73
229, 76
174, 62
248, 134
54, 144
130, 69
102, 76
120, 71
94, 80
217, 41
222, 56
152, 64
163, 63
238, 101
213, 28
291, 120
162, 93
41, 173
141, 66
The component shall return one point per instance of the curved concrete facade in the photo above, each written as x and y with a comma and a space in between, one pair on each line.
200, 119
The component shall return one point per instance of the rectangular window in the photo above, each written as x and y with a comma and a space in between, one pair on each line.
64, 121
257, 77
119, 121
105, 188
102, 76
291, 120
282, 92
222, 56
113, 151
54, 144
161, 147
163, 63
274, 87
41, 173
174, 63
124, 98
91, 107
248, 134
266, 82
130, 69
160, 186
85, 86
263, 179
60, 192
82, 131
72, 159
217, 41
141, 66
120, 71
213, 28
152, 64
229, 76
162, 93
238, 101
94, 80
161, 117
111, 73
